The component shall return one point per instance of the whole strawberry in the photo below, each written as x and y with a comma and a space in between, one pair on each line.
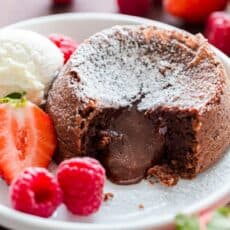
36, 191
193, 10
82, 181
134, 7
27, 136
218, 31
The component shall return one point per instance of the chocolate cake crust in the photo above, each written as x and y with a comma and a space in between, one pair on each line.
136, 97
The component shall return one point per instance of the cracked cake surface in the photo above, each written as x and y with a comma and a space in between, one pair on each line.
139, 97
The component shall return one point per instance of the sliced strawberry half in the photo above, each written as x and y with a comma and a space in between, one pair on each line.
27, 137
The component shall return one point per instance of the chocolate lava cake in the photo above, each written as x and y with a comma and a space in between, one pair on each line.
142, 100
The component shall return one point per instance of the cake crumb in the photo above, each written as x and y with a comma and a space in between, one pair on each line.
152, 180
164, 174
141, 206
108, 196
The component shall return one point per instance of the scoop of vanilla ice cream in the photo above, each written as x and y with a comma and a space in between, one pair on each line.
28, 62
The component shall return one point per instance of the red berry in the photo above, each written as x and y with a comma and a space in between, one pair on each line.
66, 44
218, 31
82, 181
36, 191
134, 7
27, 137
62, 2
193, 10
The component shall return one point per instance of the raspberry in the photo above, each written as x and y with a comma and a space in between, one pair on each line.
82, 181
218, 31
134, 7
36, 191
66, 44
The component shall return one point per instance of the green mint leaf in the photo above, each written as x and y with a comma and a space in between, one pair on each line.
224, 211
187, 223
16, 95
220, 220
15, 99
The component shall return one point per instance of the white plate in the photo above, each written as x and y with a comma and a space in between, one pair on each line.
160, 204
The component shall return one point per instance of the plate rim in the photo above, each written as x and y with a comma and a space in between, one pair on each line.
21, 219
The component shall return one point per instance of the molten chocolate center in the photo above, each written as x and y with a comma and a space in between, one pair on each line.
134, 147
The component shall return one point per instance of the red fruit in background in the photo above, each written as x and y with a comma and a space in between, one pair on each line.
62, 2
134, 7
36, 191
218, 31
82, 181
66, 44
27, 137
157, 2
193, 10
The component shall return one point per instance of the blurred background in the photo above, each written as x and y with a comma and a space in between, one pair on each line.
191, 15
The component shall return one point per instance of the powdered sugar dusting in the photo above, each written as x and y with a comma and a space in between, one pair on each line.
123, 65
